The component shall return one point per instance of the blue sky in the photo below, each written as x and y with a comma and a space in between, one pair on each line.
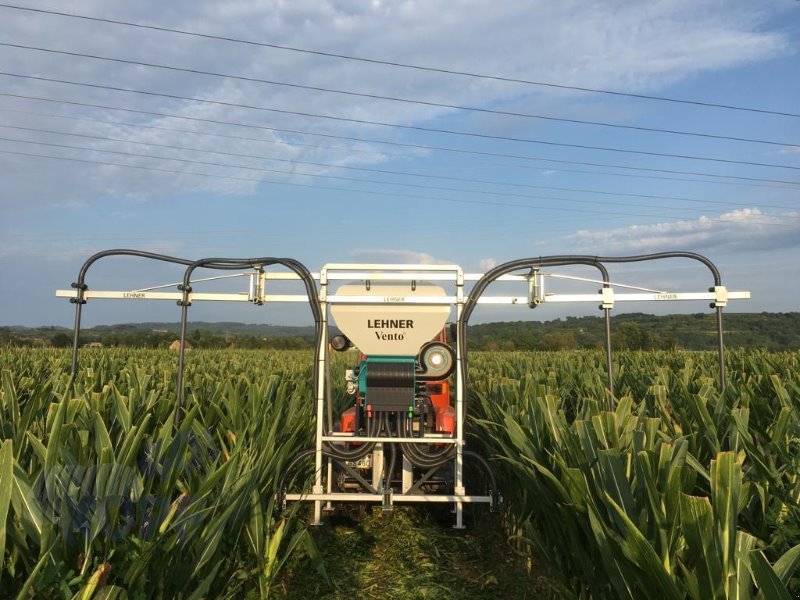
391, 196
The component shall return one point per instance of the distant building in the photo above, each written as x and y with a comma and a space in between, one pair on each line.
94, 345
176, 345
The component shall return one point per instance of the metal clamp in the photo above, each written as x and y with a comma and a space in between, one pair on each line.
720, 296
258, 287
607, 298
496, 504
535, 288
386, 504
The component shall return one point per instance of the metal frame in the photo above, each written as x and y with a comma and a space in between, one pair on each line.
259, 280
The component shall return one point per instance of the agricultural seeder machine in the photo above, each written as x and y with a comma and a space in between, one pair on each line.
402, 438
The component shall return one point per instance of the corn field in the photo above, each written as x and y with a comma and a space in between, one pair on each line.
680, 491
102, 497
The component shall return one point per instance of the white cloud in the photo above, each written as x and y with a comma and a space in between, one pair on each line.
746, 229
623, 45
487, 264
396, 257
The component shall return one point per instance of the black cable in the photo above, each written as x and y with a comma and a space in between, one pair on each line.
360, 139
527, 263
236, 264
372, 192
417, 454
351, 168
392, 456
372, 96
483, 462
212, 263
394, 125
357, 452
417, 185
402, 65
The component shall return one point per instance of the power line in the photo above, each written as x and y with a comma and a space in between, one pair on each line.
375, 193
349, 190
375, 140
396, 125
347, 167
403, 65
403, 100
783, 185
341, 178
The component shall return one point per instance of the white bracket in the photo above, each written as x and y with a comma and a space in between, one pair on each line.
607, 298
258, 288
535, 288
720, 296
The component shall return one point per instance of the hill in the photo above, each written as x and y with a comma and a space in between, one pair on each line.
772, 331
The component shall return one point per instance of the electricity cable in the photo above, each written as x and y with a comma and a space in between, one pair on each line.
374, 140
398, 64
782, 185
781, 223
346, 167
395, 183
469, 134
412, 101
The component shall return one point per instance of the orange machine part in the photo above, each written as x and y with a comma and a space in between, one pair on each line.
439, 392
349, 420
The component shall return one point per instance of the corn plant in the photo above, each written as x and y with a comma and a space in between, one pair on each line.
681, 492
102, 496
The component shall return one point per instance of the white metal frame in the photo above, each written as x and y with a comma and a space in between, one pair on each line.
447, 275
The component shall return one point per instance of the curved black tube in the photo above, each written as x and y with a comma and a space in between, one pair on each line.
213, 263
232, 264
659, 255
81, 287
717, 281
484, 463
526, 263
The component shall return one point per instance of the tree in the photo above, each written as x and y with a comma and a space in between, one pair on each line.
61, 340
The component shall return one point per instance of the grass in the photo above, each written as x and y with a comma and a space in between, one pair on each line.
413, 552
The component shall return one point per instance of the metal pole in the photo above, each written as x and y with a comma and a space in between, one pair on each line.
460, 399
720, 350
79, 301
179, 383
321, 368
609, 368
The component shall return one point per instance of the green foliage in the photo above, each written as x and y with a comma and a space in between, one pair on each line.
679, 492
636, 331
102, 497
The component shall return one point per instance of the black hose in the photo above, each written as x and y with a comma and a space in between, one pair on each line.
213, 263
81, 287
525, 263
417, 454
596, 261
304, 454
717, 282
485, 466
393, 460
373, 429
232, 264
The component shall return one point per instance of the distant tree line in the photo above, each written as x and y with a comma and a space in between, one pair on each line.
134, 338
633, 331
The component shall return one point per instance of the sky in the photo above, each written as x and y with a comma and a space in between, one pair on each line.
255, 158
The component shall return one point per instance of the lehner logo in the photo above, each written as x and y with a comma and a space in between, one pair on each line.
390, 324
